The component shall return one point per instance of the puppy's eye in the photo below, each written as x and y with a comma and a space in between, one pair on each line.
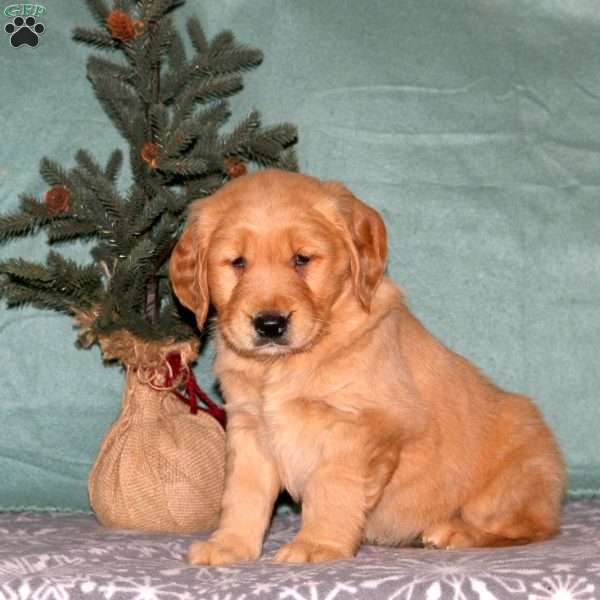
238, 263
301, 260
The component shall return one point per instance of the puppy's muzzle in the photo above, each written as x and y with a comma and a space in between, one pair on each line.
270, 327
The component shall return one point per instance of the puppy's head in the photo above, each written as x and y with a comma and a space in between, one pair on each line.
273, 251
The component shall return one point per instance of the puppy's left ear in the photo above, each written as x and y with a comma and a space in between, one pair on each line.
366, 238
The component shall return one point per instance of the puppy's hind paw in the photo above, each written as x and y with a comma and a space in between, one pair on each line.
454, 534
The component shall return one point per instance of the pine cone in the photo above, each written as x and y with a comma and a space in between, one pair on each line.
122, 27
149, 154
57, 199
235, 167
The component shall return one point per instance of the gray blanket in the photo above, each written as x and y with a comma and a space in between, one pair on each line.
51, 556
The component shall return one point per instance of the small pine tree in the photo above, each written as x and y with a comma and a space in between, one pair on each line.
170, 110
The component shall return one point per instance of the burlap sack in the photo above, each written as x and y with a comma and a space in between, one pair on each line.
160, 467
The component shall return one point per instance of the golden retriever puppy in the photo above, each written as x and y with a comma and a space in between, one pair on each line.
336, 392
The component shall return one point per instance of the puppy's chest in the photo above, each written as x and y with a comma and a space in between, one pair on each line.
293, 436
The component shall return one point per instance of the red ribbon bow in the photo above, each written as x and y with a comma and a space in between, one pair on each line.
193, 392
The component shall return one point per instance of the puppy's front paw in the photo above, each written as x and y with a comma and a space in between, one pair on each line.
216, 552
299, 551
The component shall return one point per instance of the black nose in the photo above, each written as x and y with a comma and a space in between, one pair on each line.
270, 325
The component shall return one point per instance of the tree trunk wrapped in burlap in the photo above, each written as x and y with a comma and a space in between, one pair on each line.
160, 467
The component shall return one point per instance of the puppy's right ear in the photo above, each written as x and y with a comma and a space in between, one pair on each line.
187, 272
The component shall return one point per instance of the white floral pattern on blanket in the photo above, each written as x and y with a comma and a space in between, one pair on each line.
55, 556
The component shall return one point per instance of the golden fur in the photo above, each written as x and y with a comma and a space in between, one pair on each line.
381, 432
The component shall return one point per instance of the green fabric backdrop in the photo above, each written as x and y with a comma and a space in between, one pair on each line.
473, 125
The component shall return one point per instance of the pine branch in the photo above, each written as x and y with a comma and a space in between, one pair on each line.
120, 112
163, 235
262, 149
210, 148
197, 36
141, 132
24, 271
139, 169
203, 187
103, 254
100, 204
285, 134
166, 35
136, 199
151, 212
176, 53
113, 167
16, 294
82, 201
128, 284
202, 92
194, 126
141, 63
242, 134
103, 190
288, 161
32, 206
81, 284
117, 90
69, 229
34, 215
86, 161
222, 41
99, 66
159, 121
53, 173
60, 278
160, 40
99, 10
153, 10
170, 322
125, 5
14, 225
218, 88
233, 60
95, 37
222, 62
141, 254
188, 167
176, 203
209, 65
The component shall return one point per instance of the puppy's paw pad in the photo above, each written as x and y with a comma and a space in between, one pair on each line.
306, 552
217, 553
